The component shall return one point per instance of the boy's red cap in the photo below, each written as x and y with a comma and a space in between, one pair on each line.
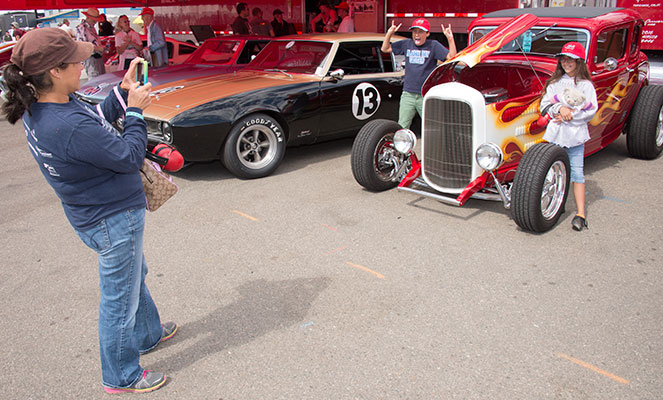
421, 23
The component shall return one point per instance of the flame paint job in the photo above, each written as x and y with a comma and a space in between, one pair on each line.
513, 123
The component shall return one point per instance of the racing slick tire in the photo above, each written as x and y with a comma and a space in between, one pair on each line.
255, 147
540, 187
644, 137
371, 142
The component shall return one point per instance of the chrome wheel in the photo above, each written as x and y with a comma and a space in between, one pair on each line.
554, 190
383, 156
256, 147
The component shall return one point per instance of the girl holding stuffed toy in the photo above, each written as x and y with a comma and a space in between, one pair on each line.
569, 99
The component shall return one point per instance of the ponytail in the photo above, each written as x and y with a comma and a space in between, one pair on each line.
22, 91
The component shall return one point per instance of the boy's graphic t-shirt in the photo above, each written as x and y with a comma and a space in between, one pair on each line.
420, 61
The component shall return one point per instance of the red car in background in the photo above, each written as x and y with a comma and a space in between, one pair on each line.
178, 51
215, 56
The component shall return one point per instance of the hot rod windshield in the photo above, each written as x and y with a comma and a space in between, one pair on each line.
297, 56
538, 40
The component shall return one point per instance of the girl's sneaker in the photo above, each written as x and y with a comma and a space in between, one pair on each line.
579, 223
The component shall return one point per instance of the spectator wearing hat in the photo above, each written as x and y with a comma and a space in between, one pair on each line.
18, 32
65, 27
95, 172
7, 36
421, 57
260, 26
241, 25
94, 65
127, 42
105, 27
347, 23
280, 26
156, 40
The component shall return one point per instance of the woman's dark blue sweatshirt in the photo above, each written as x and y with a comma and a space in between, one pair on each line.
91, 166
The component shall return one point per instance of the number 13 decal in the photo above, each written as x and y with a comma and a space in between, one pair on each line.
365, 101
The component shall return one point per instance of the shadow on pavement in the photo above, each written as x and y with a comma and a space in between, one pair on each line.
263, 306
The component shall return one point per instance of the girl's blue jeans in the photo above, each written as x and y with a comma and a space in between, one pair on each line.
128, 318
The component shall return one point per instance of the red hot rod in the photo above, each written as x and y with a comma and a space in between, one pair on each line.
480, 132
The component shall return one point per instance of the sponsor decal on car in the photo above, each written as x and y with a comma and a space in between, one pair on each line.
166, 90
95, 89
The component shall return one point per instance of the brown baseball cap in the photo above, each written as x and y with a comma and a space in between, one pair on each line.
42, 49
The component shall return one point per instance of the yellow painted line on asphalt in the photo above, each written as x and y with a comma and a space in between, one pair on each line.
245, 215
361, 267
594, 368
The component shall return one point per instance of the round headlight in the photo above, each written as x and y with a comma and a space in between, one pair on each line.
404, 140
489, 156
167, 131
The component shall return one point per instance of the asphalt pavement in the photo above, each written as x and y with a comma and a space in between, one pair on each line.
302, 285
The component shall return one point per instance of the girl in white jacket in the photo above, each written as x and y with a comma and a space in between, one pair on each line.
568, 125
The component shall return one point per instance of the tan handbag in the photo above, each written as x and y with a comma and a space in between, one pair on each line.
158, 185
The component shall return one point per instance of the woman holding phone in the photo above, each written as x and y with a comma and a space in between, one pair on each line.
94, 170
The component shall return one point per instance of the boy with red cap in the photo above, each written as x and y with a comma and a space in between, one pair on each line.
421, 57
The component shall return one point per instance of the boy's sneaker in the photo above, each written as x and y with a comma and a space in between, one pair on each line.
168, 330
579, 223
150, 381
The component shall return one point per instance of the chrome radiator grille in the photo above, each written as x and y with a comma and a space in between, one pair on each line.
447, 139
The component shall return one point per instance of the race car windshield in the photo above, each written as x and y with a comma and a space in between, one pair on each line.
296, 56
215, 52
545, 41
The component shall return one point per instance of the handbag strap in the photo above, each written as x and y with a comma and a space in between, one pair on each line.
157, 159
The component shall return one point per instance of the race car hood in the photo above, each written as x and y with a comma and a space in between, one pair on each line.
96, 90
482, 48
176, 97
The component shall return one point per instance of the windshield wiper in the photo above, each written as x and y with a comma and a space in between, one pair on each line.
279, 70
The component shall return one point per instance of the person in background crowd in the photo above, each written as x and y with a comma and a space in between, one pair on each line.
568, 128
156, 40
241, 25
94, 65
347, 23
326, 21
18, 32
127, 42
260, 26
421, 58
95, 172
280, 26
105, 27
7, 37
65, 27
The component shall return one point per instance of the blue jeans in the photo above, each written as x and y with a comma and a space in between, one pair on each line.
577, 161
128, 319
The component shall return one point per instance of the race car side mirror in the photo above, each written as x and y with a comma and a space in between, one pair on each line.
337, 74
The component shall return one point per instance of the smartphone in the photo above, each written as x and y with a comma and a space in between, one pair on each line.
141, 72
